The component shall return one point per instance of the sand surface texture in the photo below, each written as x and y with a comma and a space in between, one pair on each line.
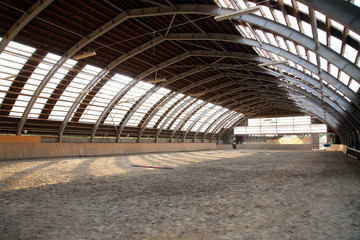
230, 194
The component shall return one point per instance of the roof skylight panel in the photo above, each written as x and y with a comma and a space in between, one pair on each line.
194, 117
147, 105
282, 43
307, 71
307, 29
242, 30
272, 39
174, 107
280, 17
312, 57
230, 123
347, 99
105, 95
302, 52
291, 64
184, 113
288, 2
223, 4
267, 13
163, 109
337, 25
315, 76
42, 70
125, 103
12, 59
248, 30
322, 36
74, 89
218, 119
206, 116
220, 113
340, 93
334, 70
302, 7
34, 81
292, 47
241, 3
350, 53
320, 16
323, 64
299, 67
354, 85
293, 23
331, 87
261, 52
261, 36
275, 57
179, 108
335, 44
354, 35
344, 78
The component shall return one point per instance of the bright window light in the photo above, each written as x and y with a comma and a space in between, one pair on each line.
307, 29
293, 23
324, 64
272, 39
337, 25
335, 44
312, 56
242, 4
288, 2
267, 13
320, 16
322, 36
303, 7
356, 2
354, 35
282, 43
292, 47
243, 31
262, 36
350, 53
344, 78
280, 17
354, 85
334, 71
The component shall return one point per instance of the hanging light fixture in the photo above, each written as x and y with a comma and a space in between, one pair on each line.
84, 55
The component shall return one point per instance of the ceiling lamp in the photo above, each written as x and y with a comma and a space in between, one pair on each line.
157, 80
84, 55
237, 13
272, 63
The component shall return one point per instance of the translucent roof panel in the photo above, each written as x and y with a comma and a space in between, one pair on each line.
212, 118
354, 85
40, 72
104, 96
12, 60
73, 90
202, 110
184, 112
212, 109
146, 106
167, 120
126, 102
163, 109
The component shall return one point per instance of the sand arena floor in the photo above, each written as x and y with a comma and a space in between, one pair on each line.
230, 194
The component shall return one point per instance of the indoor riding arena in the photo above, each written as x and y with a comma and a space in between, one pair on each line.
180, 119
